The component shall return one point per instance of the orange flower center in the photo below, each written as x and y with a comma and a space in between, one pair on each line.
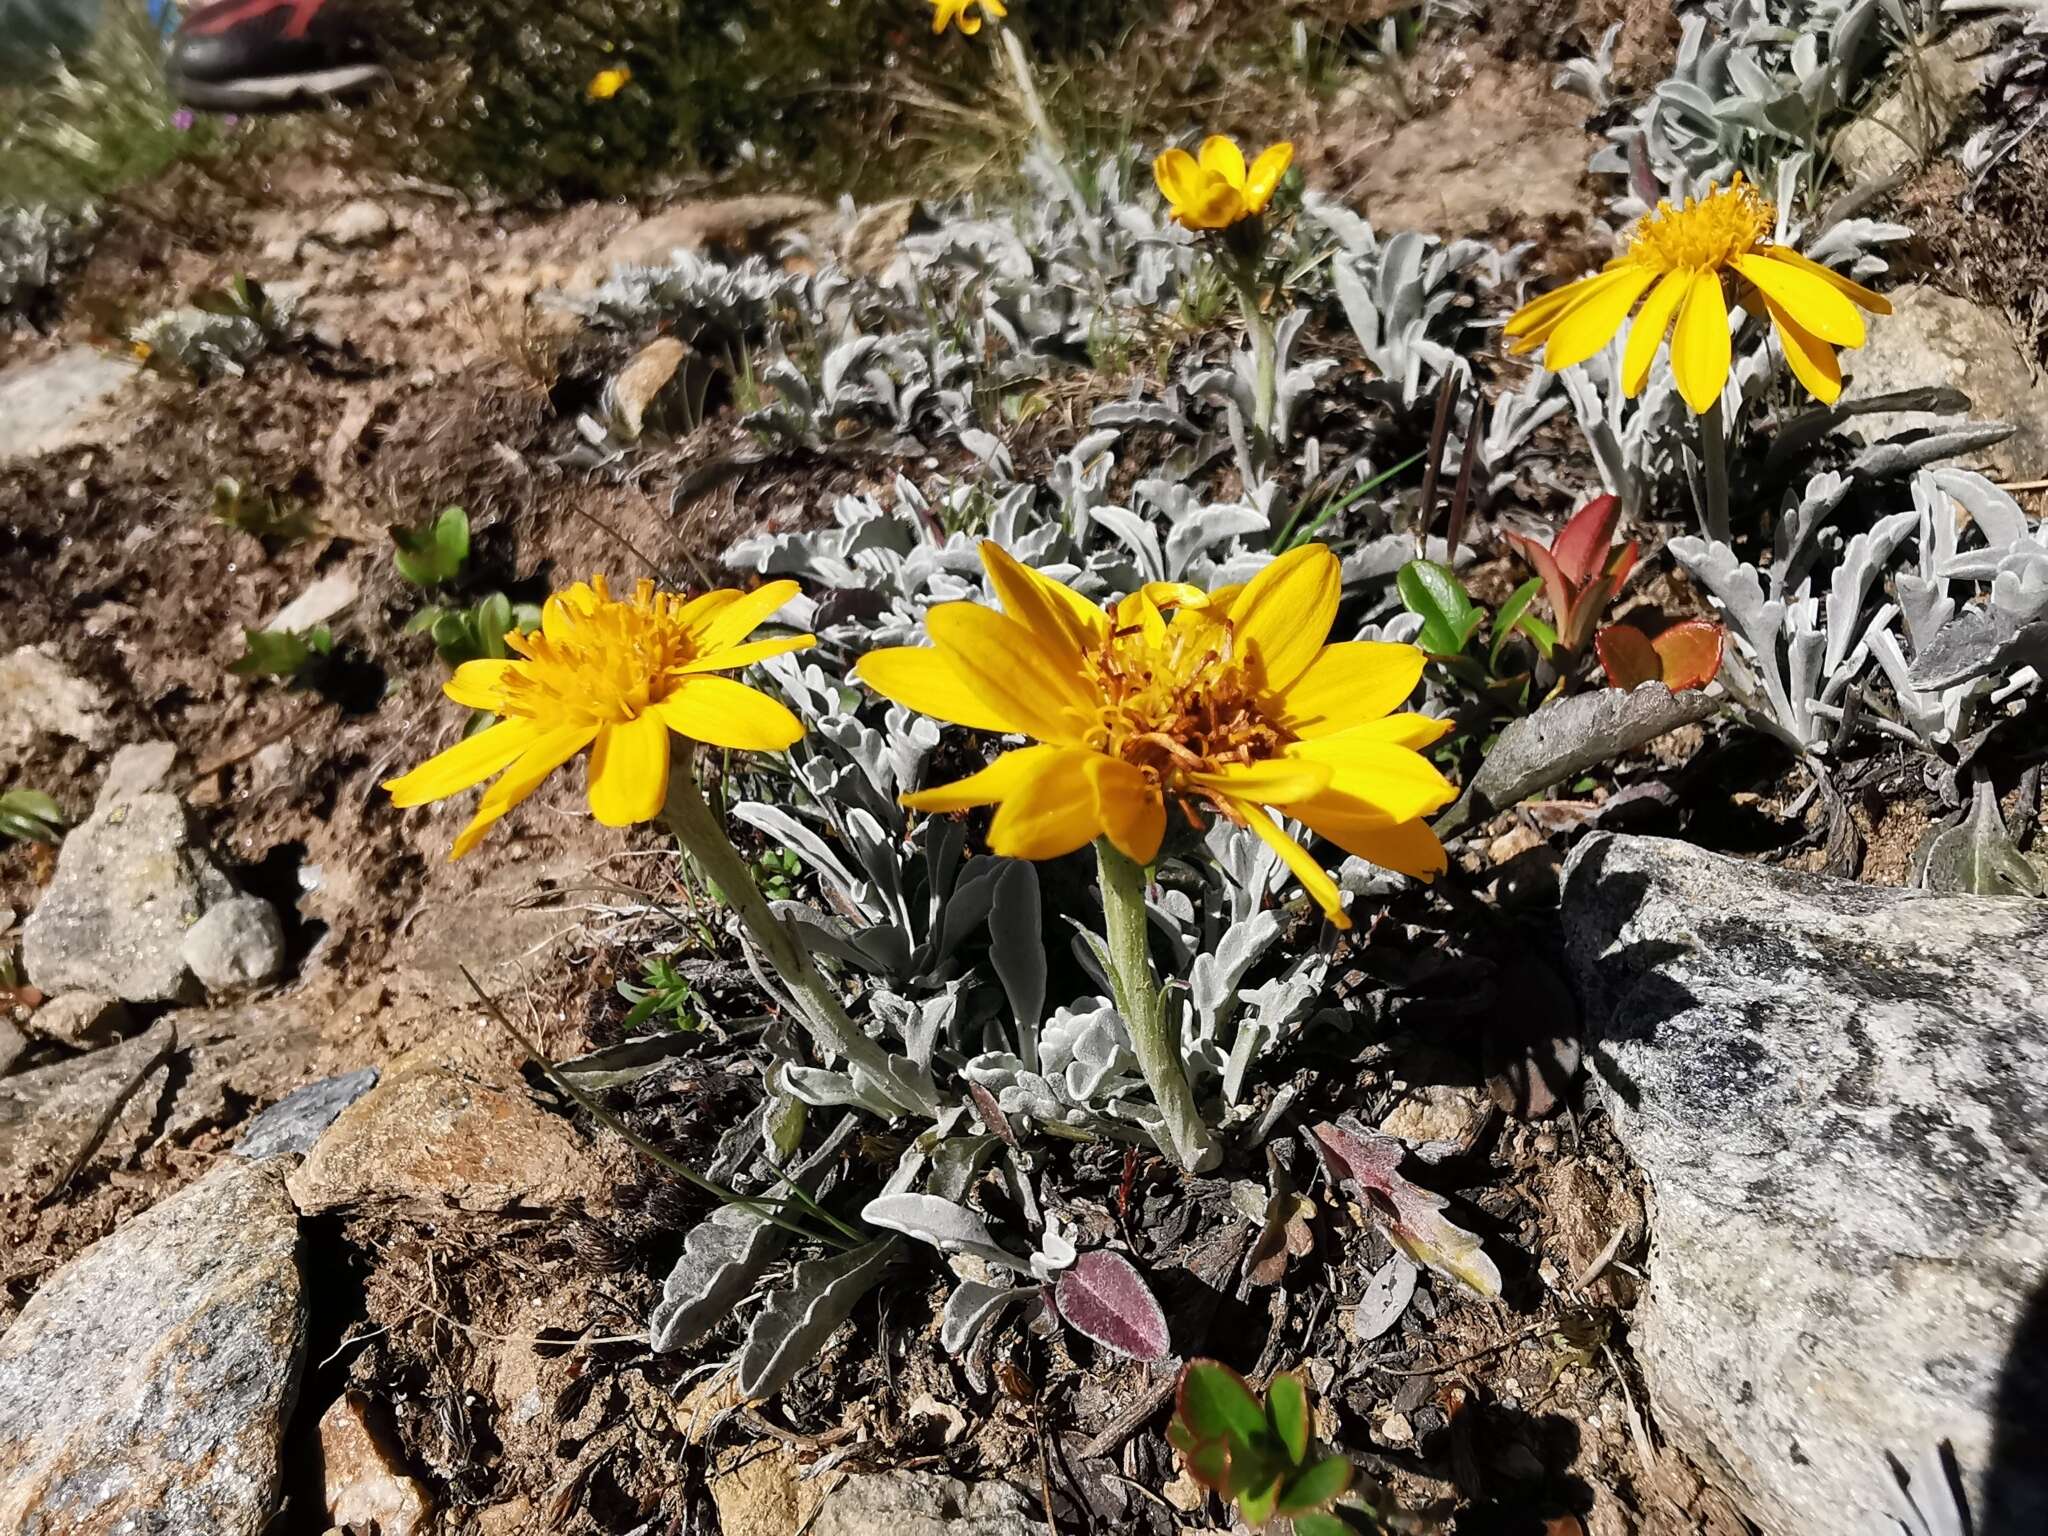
603, 665
1706, 234
1175, 702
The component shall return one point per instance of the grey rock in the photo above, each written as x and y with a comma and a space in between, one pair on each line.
13, 1045
918, 1504
82, 1020
39, 697
131, 881
299, 1119
361, 222
1916, 113
137, 769
1839, 1094
236, 945
65, 401
1934, 338
144, 1389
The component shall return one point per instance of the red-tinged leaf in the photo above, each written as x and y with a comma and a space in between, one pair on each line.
1412, 1216
992, 1115
1287, 1413
1558, 587
1627, 656
1690, 653
1215, 1403
1623, 563
1314, 1487
1208, 1463
1102, 1296
1582, 543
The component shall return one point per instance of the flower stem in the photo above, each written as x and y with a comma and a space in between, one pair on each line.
1258, 330
1139, 1001
1714, 474
833, 1030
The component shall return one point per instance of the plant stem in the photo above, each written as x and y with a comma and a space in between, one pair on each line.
1714, 474
1259, 331
1048, 136
833, 1030
1139, 1001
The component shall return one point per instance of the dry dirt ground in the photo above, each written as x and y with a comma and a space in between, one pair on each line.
500, 1340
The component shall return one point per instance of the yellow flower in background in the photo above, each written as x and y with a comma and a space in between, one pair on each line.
1214, 190
1684, 259
965, 14
616, 676
607, 83
1227, 700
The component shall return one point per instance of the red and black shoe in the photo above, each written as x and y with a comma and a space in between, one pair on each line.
249, 55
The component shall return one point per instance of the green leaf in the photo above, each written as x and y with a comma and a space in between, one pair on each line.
281, 653
423, 621
1214, 1402
1287, 1412
1540, 631
1323, 1525
1258, 1502
433, 553
493, 619
1316, 1486
1510, 616
1437, 597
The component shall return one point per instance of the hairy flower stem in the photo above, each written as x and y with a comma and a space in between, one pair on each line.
1138, 1000
833, 1030
1714, 474
1259, 330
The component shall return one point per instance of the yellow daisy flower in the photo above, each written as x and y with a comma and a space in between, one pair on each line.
1215, 189
617, 676
1685, 260
963, 13
607, 83
1229, 700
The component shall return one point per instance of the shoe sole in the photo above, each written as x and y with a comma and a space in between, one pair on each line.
276, 92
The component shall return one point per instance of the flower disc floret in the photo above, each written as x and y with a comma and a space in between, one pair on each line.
1228, 702
1686, 265
618, 676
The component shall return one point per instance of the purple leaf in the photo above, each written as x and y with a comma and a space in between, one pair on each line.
1413, 1217
1102, 1296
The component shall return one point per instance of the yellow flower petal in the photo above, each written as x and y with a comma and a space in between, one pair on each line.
1594, 321
1005, 776
1314, 879
1180, 178
1409, 847
1132, 812
1390, 782
1277, 781
1876, 303
1056, 612
1051, 812
927, 681
1264, 177
629, 771
1285, 614
1221, 206
722, 713
465, 765
1346, 685
1817, 306
1648, 328
1411, 731
1539, 314
543, 756
1813, 361
1013, 671
746, 655
736, 620
1220, 156
480, 684
1700, 348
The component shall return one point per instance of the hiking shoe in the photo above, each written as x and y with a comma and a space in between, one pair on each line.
249, 55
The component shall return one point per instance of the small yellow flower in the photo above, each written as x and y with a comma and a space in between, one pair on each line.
607, 83
1687, 260
1228, 700
617, 676
1215, 190
963, 14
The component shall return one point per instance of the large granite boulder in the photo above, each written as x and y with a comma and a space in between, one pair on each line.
1839, 1094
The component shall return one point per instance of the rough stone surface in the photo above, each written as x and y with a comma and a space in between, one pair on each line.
82, 1020
130, 882
139, 768
62, 402
13, 1045
363, 1476
1933, 338
294, 1123
144, 1389
361, 222
426, 1135
1839, 1094
237, 944
735, 226
38, 697
1920, 108
917, 1504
